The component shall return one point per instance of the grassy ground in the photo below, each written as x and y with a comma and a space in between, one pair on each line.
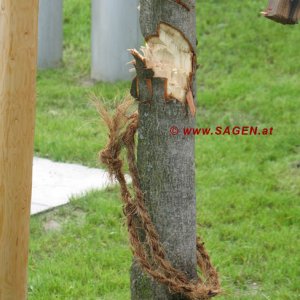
248, 188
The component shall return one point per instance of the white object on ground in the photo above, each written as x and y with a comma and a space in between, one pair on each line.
54, 183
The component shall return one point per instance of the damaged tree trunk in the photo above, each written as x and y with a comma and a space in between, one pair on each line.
164, 87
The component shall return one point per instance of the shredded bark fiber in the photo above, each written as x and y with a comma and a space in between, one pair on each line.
149, 253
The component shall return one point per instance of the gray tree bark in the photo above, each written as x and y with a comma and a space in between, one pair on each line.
166, 162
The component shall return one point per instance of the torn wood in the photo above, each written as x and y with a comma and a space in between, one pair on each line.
167, 55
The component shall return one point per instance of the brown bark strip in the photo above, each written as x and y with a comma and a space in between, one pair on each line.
134, 92
149, 87
190, 102
143, 78
150, 253
184, 5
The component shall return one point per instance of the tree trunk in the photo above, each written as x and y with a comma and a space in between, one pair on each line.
18, 43
165, 161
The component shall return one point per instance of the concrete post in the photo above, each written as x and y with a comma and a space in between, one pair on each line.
50, 33
115, 29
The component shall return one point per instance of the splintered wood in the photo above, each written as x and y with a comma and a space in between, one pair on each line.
169, 55
283, 11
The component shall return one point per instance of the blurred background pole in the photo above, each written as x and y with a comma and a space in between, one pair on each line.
50, 44
115, 28
18, 56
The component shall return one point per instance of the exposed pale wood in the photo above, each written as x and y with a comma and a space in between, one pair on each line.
170, 56
18, 52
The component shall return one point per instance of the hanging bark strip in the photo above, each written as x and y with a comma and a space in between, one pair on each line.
149, 253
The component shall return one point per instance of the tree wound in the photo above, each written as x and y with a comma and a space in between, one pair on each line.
167, 55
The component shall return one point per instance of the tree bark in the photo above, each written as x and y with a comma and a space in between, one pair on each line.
165, 161
18, 50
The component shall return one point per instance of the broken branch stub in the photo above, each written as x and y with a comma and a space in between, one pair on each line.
169, 56
283, 11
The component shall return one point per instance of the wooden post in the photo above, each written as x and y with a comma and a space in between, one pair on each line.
18, 53
50, 41
115, 29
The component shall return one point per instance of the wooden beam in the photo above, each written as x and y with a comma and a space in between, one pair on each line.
18, 54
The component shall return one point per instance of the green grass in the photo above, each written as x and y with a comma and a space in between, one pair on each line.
248, 188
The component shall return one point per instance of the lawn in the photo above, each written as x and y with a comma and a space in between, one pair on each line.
248, 187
